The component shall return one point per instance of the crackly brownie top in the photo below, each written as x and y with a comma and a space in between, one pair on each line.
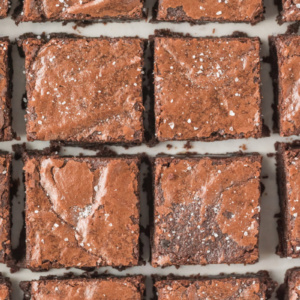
293, 284
218, 289
87, 90
232, 11
5, 245
207, 88
292, 170
290, 10
4, 291
206, 210
3, 8
81, 212
130, 288
81, 9
288, 48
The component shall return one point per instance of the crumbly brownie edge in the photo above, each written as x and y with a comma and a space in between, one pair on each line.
7, 133
263, 276
39, 154
283, 290
80, 21
168, 159
6, 281
204, 20
45, 38
137, 280
264, 130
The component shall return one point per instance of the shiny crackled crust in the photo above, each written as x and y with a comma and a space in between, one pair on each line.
254, 286
286, 82
74, 287
250, 11
207, 88
288, 181
94, 93
289, 289
5, 210
5, 288
206, 210
6, 133
289, 10
72, 222
76, 10
4, 8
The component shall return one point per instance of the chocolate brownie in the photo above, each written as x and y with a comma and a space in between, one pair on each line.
71, 222
77, 288
206, 210
289, 10
290, 290
4, 6
249, 11
84, 90
288, 180
207, 88
254, 286
5, 90
5, 209
286, 81
80, 10
5, 288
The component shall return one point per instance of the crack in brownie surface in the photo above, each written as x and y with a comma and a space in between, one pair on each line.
206, 211
81, 212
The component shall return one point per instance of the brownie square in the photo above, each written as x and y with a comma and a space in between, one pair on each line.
207, 88
75, 10
5, 90
288, 180
286, 78
5, 208
249, 11
86, 90
72, 287
206, 210
5, 288
291, 287
289, 10
4, 6
81, 212
253, 286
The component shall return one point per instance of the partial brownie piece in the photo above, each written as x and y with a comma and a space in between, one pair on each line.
258, 286
81, 212
286, 79
288, 180
249, 11
207, 88
290, 290
5, 208
4, 6
5, 288
76, 288
5, 90
80, 10
84, 90
289, 10
206, 210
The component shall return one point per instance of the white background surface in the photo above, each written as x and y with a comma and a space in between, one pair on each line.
268, 235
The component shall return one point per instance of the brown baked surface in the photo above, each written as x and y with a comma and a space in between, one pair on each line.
127, 288
207, 88
254, 286
85, 90
286, 76
290, 288
289, 10
250, 11
5, 288
206, 210
81, 10
4, 6
288, 180
81, 212
5, 90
